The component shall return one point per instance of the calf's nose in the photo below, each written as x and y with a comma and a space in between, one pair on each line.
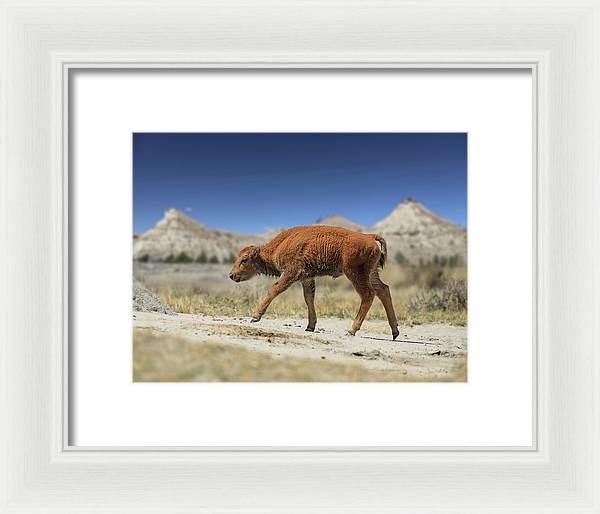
231, 276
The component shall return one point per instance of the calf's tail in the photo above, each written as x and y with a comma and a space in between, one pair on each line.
383, 256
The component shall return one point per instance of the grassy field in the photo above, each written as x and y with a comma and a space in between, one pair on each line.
158, 357
337, 304
420, 295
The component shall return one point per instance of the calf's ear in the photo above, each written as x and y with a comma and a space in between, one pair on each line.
255, 252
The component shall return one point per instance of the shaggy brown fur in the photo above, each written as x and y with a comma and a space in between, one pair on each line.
302, 253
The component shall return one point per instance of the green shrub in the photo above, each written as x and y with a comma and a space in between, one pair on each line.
213, 260
401, 259
451, 297
453, 261
431, 278
202, 258
182, 257
144, 258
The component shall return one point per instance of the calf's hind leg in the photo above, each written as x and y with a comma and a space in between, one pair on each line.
308, 287
362, 284
383, 293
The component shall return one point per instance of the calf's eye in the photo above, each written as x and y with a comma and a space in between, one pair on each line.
244, 260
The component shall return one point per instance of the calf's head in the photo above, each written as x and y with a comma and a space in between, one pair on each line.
245, 266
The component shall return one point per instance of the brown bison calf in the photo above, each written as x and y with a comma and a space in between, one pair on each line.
302, 253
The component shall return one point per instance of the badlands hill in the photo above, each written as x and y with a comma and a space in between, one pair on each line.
340, 221
420, 234
177, 233
411, 229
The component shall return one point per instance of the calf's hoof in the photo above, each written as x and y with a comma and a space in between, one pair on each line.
395, 334
255, 319
309, 329
350, 333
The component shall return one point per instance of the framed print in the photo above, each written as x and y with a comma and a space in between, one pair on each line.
299, 257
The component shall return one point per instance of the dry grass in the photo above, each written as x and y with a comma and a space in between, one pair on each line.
451, 296
338, 304
161, 358
206, 289
334, 298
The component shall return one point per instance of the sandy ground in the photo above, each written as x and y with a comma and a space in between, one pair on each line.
430, 352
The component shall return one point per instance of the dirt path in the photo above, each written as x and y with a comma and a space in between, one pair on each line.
425, 351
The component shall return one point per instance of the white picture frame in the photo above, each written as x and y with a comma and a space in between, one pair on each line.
43, 40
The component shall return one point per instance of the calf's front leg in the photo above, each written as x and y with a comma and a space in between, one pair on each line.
277, 288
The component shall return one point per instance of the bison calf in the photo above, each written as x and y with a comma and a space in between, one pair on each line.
302, 253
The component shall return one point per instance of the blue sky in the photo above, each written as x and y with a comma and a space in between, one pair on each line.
252, 181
